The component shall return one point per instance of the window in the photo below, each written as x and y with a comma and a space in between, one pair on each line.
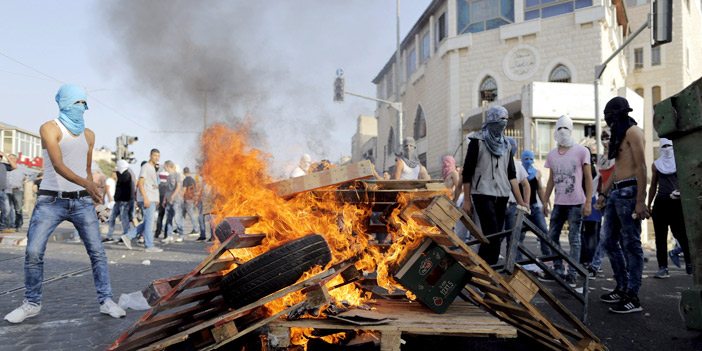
391, 142
630, 3
656, 56
480, 15
560, 74
440, 29
549, 8
656, 95
638, 58
388, 84
380, 89
639, 91
411, 63
420, 124
488, 90
424, 48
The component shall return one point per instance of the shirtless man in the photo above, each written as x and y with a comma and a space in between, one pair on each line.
625, 197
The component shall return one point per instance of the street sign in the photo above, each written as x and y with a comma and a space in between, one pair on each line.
339, 72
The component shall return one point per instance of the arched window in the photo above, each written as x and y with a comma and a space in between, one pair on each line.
560, 74
420, 124
391, 142
488, 89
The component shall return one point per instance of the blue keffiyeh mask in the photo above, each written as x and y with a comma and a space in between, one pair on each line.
493, 129
70, 113
528, 163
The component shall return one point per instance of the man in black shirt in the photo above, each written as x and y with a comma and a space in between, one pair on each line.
190, 203
124, 200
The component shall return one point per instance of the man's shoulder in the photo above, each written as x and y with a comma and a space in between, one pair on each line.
634, 132
49, 127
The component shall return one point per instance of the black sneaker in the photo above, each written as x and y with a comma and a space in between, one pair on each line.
571, 281
546, 277
201, 239
629, 304
194, 232
108, 240
613, 297
591, 273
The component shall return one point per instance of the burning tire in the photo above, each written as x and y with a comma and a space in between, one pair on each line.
273, 270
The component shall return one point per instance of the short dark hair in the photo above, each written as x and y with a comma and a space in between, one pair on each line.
186, 170
154, 151
143, 162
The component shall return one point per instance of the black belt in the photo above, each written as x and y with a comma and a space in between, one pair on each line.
64, 194
623, 184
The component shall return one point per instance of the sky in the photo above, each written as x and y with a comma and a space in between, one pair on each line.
149, 66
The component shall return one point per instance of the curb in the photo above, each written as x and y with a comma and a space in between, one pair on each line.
13, 240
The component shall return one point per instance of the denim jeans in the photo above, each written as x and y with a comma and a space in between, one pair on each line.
600, 252
49, 212
4, 211
17, 201
190, 209
590, 235
121, 209
174, 211
561, 214
147, 227
620, 205
536, 217
203, 224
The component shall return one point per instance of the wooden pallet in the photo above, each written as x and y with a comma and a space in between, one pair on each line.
190, 307
337, 175
461, 319
507, 297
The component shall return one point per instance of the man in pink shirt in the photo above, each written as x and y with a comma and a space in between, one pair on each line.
569, 172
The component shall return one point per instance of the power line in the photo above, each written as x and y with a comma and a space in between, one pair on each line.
32, 68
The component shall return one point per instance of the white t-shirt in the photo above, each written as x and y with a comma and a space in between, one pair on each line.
521, 175
111, 187
148, 172
297, 172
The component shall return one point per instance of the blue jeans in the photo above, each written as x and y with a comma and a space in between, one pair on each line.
121, 209
4, 211
561, 214
190, 210
49, 212
174, 211
620, 205
203, 226
147, 227
16, 198
536, 217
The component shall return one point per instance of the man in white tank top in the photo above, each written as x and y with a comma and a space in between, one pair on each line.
408, 166
66, 193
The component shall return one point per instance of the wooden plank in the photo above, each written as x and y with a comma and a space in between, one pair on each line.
486, 287
440, 239
403, 184
220, 264
179, 315
390, 340
224, 331
337, 175
281, 334
523, 284
509, 308
184, 300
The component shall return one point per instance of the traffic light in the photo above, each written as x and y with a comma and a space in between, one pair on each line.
339, 89
661, 22
129, 156
129, 140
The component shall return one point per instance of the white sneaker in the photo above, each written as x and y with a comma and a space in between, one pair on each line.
167, 240
127, 242
140, 240
110, 307
28, 309
153, 249
179, 239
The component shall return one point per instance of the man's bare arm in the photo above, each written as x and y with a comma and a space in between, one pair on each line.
635, 139
398, 169
547, 193
526, 190
423, 174
541, 191
587, 174
142, 190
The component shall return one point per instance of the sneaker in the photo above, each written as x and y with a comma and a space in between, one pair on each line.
629, 304
662, 273
546, 277
74, 240
167, 240
195, 232
201, 239
591, 273
110, 307
28, 309
140, 240
108, 240
153, 249
571, 281
675, 258
688, 268
613, 297
179, 239
127, 241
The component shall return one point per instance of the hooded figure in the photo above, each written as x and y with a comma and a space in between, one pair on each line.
616, 114
666, 163
528, 163
409, 152
563, 132
448, 165
604, 162
493, 128
70, 113
122, 166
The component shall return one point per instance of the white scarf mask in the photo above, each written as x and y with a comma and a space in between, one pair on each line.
563, 136
666, 163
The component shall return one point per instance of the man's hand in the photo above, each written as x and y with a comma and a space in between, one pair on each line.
544, 210
147, 204
94, 191
600, 203
587, 209
641, 211
468, 207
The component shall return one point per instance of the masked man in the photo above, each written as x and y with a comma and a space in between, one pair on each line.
408, 166
625, 198
66, 193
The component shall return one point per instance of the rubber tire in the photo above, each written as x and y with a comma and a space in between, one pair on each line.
273, 270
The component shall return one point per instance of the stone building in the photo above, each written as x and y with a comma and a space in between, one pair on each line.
536, 58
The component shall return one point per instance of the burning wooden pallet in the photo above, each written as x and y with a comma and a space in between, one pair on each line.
507, 297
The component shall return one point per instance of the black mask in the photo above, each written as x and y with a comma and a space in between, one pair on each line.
616, 114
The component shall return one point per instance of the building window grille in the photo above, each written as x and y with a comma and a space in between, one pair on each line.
488, 90
656, 56
480, 15
420, 124
440, 29
560, 74
424, 48
638, 58
411, 62
549, 8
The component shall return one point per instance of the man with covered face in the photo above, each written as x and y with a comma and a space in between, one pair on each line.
489, 175
624, 195
569, 173
408, 166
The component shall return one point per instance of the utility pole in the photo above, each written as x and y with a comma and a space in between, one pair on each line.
397, 83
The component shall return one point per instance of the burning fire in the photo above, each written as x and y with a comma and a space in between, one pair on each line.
239, 179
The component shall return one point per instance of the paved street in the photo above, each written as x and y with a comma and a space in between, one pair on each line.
70, 318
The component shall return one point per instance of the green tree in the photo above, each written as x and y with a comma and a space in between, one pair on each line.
107, 167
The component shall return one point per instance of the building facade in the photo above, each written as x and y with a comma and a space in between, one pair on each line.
536, 58
24, 144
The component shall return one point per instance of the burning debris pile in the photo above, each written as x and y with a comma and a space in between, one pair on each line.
313, 255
